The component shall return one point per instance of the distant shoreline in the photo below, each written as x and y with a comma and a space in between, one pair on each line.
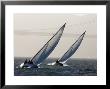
58, 58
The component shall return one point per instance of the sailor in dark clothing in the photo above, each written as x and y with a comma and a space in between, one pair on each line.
58, 63
25, 61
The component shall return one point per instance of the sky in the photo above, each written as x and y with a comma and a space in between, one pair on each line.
32, 31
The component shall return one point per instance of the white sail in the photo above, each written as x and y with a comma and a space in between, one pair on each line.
48, 47
72, 49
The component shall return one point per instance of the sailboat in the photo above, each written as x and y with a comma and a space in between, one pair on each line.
44, 52
69, 52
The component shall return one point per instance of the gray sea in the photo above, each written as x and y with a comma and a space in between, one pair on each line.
77, 67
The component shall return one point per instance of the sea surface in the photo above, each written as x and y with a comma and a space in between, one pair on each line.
77, 67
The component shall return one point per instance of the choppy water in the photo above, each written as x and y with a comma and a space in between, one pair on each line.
76, 68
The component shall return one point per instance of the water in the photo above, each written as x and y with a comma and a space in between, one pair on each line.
77, 67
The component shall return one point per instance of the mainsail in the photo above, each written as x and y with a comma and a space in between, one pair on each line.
48, 47
71, 50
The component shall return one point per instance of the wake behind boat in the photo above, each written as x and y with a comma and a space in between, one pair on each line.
69, 53
44, 52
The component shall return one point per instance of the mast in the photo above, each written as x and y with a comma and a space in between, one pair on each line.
48, 47
72, 49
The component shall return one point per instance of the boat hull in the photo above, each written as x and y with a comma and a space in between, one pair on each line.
57, 64
27, 65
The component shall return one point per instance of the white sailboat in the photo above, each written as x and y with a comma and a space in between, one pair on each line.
69, 52
45, 51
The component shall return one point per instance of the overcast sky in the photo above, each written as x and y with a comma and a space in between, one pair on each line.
32, 31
